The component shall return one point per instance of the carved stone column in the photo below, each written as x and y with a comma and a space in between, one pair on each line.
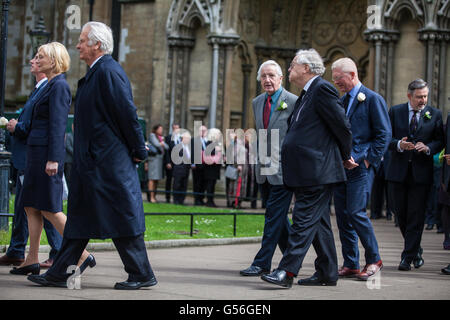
435, 65
384, 45
221, 76
391, 39
177, 79
246, 70
444, 91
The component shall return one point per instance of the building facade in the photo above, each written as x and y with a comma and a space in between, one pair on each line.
193, 60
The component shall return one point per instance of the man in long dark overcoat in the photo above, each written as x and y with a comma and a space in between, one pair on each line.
105, 199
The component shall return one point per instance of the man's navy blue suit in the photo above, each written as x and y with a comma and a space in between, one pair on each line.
105, 199
371, 132
19, 236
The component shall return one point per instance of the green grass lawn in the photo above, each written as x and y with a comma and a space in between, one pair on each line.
178, 227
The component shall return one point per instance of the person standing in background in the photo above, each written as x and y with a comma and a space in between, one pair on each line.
155, 163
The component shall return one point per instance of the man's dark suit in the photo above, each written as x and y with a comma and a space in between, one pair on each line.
444, 192
105, 199
317, 142
410, 173
168, 160
180, 174
198, 171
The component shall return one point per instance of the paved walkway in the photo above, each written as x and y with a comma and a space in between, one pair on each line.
212, 272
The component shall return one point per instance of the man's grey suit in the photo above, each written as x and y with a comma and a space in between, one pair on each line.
276, 225
278, 120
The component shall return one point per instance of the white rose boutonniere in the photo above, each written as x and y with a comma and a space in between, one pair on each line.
361, 97
283, 106
427, 115
3, 122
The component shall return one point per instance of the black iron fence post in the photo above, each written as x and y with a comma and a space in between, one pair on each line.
4, 155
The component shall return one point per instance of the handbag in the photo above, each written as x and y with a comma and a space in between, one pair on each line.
231, 173
152, 150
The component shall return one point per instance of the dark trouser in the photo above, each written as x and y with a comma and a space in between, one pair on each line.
264, 190
311, 225
434, 208
19, 235
132, 251
198, 182
409, 200
180, 183
168, 183
210, 186
446, 223
379, 195
67, 172
276, 226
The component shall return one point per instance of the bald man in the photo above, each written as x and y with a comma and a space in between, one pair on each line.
371, 132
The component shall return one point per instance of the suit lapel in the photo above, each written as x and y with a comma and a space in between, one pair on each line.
355, 102
96, 65
39, 95
258, 110
421, 119
404, 118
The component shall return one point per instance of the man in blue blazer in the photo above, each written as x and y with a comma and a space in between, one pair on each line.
417, 134
371, 131
19, 129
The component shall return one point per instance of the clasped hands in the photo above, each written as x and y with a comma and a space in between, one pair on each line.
11, 125
419, 146
351, 164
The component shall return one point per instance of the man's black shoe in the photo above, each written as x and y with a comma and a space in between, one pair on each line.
47, 281
418, 260
315, 281
404, 266
278, 277
253, 271
446, 270
134, 285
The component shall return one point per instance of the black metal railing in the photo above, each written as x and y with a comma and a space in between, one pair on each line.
191, 214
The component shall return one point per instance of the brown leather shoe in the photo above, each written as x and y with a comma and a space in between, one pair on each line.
345, 272
370, 270
46, 264
7, 261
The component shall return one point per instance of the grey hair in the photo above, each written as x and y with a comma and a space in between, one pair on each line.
312, 59
100, 32
417, 84
345, 65
269, 63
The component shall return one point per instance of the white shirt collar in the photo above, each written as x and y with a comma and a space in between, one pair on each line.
40, 82
95, 61
308, 84
410, 108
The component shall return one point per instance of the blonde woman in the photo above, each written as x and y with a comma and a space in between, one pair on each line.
42, 185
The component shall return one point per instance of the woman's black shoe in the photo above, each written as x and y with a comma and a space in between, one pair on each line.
23, 271
89, 262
